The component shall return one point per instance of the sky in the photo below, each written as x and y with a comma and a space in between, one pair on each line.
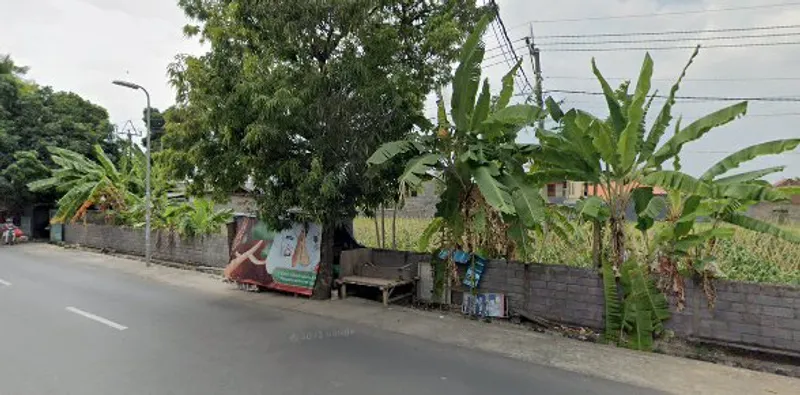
82, 45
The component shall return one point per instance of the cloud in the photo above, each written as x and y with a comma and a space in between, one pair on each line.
81, 45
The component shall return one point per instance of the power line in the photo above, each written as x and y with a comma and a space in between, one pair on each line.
673, 32
510, 44
651, 15
739, 79
728, 152
665, 40
671, 47
503, 54
701, 98
503, 46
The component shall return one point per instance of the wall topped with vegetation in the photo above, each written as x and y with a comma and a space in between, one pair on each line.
211, 251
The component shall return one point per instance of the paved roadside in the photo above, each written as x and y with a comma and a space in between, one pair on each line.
655, 371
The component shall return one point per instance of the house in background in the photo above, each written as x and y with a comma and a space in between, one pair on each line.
784, 213
567, 192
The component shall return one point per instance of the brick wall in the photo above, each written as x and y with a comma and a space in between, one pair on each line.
761, 315
206, 251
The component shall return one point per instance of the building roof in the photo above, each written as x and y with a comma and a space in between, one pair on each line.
788, 182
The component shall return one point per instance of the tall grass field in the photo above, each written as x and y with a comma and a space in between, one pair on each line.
747, 256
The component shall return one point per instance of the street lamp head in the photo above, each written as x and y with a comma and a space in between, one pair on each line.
126, 84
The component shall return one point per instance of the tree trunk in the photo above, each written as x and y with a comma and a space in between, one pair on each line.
597, 243
383, 226
324, 283
394, 227
377, 230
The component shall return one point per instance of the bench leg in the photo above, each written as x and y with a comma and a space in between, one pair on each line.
385, 297
342, 291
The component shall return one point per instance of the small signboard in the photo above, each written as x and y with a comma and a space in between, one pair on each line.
484, 305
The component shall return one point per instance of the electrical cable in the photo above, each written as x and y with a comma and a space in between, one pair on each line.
711, 46
673, 32
660, 14
701, 98
667, 40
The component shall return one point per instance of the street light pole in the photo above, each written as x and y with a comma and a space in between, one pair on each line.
147, 202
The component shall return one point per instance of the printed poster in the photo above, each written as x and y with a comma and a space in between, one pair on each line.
285, 260
484, 304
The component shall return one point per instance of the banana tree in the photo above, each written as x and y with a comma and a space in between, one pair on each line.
487, 202
618, 152
85, 183
681, 248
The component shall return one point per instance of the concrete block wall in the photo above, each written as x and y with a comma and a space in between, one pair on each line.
207, 251
559, 293
745, 314
758, 315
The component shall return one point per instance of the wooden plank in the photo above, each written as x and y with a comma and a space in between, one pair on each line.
373, 282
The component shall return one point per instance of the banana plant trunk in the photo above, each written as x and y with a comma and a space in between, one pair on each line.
597, 243
394, 226
383, 227
617, 223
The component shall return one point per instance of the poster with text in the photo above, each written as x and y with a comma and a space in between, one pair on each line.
286, 260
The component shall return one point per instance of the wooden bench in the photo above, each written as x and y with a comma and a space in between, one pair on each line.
386, 287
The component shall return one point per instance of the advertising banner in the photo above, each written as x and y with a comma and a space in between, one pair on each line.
286, 260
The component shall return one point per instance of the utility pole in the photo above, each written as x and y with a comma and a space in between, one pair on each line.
537, 71
130, 130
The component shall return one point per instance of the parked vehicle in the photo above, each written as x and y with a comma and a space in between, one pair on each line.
11, 234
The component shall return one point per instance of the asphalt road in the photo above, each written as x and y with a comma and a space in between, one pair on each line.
72, 328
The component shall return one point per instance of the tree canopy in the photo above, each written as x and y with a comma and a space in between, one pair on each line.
33, 117
297, 95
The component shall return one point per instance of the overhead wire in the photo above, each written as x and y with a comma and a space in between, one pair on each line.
667, 40
710, 46
659, 14
517, 59
700, 98
672, 32
730, 79
505, 55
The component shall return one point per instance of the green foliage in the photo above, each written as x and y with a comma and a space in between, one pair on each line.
733, 161
621, 157
199, 218
486, 203
425, 238
34, 117
296, 96
744, 256
613, 306
638, 317
84, 183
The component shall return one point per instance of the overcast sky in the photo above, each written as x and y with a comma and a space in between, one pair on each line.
82, 45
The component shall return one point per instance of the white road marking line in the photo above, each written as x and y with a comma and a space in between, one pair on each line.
97, 318
4, 282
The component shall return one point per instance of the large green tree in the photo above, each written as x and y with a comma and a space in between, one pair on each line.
297, 95
33, 117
